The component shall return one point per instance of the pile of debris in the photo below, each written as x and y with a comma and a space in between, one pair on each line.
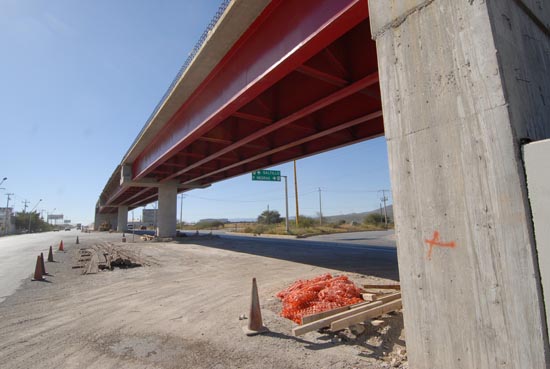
312, 303
106, 256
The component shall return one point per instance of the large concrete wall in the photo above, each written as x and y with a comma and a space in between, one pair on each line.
453, 120
537, 169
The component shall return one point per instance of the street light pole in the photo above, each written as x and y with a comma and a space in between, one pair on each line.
3, 179
6, 220
286, 203
320, 209
296, 194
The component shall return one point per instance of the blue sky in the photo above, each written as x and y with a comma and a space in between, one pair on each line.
78, 80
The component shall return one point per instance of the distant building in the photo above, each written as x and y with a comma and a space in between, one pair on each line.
7, 221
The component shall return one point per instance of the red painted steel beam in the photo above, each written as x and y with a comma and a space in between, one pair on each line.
312, 137
367, 131
281, 40
326, 101
120, 191
140, 193
252, 117
322, 76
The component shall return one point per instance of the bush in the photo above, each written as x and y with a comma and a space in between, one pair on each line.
374, 218
306, 222
209, 224
270, 217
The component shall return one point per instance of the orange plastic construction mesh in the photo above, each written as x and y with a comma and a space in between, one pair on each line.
316, 295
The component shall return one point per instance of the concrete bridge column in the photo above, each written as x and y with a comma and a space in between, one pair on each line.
463, 82
122, 219
111, 219
167, 199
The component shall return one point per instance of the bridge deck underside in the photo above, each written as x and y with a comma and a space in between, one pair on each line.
329, 100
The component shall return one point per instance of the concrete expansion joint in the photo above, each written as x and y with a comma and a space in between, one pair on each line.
402, 18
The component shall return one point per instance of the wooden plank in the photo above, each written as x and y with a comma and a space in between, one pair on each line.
93, 265
364, 315
313, 317
369, 296
325, 322
382, 286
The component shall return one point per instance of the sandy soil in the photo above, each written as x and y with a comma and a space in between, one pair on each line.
182, 311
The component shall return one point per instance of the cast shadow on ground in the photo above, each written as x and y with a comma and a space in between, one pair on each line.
373, 261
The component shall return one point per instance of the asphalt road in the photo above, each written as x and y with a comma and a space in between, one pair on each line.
369, 253
18, 254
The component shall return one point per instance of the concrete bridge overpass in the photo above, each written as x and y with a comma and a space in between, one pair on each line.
274, 81
461, 84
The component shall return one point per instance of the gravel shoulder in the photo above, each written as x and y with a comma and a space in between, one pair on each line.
182, 311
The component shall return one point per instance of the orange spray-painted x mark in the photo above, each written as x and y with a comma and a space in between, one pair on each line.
435, 242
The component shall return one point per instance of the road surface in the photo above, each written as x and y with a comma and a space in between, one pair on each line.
182, 309
18, 254
359, 252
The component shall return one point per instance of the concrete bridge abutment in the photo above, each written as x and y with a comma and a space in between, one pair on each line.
463, 82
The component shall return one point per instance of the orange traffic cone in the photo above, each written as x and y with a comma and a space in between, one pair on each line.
61, 246
77, 242
50, 255
38, 270
42, 264
255, 325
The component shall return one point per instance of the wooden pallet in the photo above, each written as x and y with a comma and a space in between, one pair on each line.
343, 317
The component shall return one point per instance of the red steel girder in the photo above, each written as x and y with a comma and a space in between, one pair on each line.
338, 95
312, 137
264, 55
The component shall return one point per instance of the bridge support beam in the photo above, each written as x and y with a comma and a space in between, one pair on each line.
167, 211
122, 219
462, 83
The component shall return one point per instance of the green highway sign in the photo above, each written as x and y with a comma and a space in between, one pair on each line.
267, 175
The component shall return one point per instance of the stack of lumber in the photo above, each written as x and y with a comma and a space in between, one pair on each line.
106, 256
340, 318
147, 237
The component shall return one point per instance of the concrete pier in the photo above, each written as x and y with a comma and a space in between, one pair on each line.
122, 219
167, 200
463, 83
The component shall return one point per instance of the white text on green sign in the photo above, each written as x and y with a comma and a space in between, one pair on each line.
267, 175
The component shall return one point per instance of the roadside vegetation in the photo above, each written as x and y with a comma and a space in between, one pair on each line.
271, 222
24, 219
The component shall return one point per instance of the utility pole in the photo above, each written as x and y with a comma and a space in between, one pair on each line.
6, 220
296, 194
320, 209
384, 199
30, 213
286, 204
25, 205
181, 212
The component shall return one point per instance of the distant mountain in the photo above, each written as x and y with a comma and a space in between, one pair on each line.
353, 217
357, 217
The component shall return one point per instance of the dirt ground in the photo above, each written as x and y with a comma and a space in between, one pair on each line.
181, 311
